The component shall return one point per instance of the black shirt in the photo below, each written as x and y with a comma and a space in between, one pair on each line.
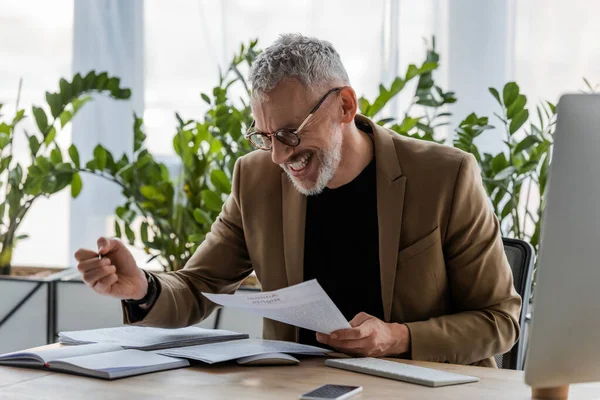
341, 249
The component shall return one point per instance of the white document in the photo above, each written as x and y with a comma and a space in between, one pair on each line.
305, 305
147, 338
219, 352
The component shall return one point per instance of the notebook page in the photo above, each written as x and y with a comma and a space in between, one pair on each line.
54, 353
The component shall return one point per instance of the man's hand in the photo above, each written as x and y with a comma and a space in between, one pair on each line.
369, 337
116, 274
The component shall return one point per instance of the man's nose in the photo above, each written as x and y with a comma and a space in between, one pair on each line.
280, 152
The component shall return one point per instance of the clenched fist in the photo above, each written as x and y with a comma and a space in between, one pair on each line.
112, 270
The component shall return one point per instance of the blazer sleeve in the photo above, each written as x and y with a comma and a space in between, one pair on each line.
481, 283
219, 265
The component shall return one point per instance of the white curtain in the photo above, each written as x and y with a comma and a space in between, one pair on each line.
108, 36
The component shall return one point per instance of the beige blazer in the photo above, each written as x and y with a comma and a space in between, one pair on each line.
443, 268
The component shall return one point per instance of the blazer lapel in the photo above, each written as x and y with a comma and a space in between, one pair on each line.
391, 187
294, 221
390, 202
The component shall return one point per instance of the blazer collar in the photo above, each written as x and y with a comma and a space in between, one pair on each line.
390, 203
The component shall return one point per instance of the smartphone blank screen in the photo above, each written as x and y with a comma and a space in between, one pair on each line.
331, 392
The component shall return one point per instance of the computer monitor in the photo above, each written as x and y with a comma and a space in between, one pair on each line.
565, 333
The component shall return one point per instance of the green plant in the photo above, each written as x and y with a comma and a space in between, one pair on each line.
519, 172
515, 174
48, 172
429, 98
176, 212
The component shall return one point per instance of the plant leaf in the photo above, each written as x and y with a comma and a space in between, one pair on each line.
18, 117
76, 185
50, 136
53, 100
74, 154
118, 233
56, 156
152, 193
211, 200
220, 180
139, 136
505, 173
364, 105
508, 207
196, 237
100, 81
144, 232
65, 91
130, 235
79, 102
41, 119
44, 164
499, 163
411, 72
34, 145
518, 121
510, 93
526, 143
202, 217
5, 163
100, 157
76, 85
516, 106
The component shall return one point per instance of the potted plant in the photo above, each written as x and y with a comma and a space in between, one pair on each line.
49, 171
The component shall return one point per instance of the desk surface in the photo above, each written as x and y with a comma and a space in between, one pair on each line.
233, 381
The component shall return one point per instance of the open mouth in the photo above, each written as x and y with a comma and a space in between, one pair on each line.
300, 165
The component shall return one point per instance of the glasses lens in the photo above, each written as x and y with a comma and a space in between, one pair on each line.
288, 137
260, 141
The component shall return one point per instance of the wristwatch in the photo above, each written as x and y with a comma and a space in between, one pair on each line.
151, 294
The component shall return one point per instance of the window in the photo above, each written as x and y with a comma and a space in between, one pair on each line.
36, 45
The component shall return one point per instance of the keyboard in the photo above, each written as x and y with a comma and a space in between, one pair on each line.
401, 372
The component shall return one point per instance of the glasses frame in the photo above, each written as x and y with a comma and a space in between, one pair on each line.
287, 131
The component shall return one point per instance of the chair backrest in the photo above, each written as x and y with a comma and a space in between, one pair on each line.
521, 257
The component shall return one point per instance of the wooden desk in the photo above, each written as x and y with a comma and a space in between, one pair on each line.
231, 381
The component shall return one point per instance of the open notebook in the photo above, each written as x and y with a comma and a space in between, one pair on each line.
99, 360
147, 338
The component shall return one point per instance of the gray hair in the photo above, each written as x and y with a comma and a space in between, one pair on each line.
314, 62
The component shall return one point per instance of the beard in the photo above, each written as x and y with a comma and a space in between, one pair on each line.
327, 161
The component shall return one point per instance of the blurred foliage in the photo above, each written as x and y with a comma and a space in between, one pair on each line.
48, 171
515, 174
171, 212
431, 98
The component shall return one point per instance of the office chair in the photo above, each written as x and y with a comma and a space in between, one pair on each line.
521, 258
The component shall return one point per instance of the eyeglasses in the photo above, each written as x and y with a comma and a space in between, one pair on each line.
287, 136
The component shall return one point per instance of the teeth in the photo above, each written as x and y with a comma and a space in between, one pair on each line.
301, 163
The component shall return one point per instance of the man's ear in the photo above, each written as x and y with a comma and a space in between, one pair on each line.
349, 104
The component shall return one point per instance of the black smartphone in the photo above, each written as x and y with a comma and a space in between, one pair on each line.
332, 392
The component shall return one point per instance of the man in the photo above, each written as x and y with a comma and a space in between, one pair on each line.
399, 232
